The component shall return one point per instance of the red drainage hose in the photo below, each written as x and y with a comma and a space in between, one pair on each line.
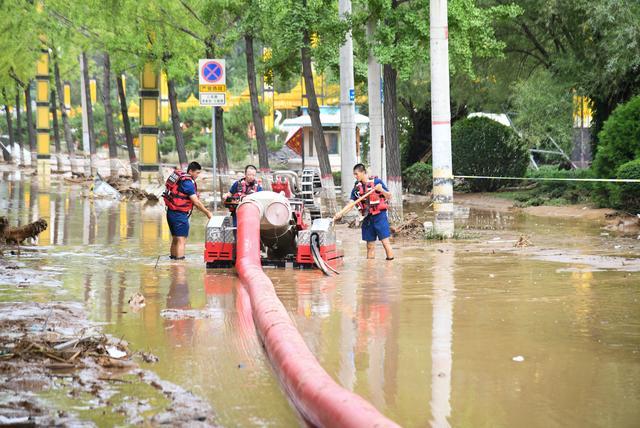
320, 400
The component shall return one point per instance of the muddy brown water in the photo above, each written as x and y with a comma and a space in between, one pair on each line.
473, 332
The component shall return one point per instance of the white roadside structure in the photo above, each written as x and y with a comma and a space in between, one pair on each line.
330, 119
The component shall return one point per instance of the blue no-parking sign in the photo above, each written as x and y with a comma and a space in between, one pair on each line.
212, 72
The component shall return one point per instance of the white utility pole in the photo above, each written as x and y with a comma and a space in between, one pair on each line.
441, 119
376, 133
347, 107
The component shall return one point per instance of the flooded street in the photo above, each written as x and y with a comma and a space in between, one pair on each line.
472, 332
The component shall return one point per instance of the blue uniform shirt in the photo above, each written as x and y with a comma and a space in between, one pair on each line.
187, 187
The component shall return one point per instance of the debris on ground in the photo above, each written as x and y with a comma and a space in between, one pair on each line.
129, 191
183, 314
523, 242
355, 223
136, 301
411, 227
148, 357
52, 347
19, 234
624, 223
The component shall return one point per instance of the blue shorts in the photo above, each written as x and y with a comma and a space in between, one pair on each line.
178, 223
375, 227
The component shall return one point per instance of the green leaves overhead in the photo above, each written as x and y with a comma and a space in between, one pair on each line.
402, 33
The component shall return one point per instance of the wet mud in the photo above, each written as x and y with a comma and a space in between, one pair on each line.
51, 353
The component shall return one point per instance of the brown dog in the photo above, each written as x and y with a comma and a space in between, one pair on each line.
17, 235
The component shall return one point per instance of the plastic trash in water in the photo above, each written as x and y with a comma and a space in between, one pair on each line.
518, 358
115, 352
102, 189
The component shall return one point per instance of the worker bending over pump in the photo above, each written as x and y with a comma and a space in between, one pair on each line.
180, 196
241, 188
374, 209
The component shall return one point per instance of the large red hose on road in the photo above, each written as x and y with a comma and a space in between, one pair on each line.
320, 400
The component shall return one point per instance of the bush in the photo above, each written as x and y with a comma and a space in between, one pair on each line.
482, 146
570, 191
626, 196
619, 139
418, 178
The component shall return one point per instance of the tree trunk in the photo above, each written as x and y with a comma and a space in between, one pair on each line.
89, 113
68, 136
30, 129
56, 130
108, 116
326, 177
376, 141
133, 160
175, 121
20, 159
263, 153
221, 149
6, 153
394, 172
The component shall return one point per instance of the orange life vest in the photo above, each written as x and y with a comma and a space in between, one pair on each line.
174, 198
375, 203
243, 190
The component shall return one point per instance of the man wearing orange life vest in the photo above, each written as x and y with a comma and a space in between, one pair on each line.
243, 187
180, 197
374, 209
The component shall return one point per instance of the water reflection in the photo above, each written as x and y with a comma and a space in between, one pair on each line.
441, 332
179, 331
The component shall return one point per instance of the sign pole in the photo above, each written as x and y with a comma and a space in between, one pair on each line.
213, 156
212, 87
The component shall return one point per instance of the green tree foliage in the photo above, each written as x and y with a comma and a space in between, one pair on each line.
592, 47
19, 42
544, 108
484, 147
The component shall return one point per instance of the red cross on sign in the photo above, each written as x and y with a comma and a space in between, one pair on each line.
212, 71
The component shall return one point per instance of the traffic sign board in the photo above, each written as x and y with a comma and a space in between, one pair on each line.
216, 99
213, 88
212, 72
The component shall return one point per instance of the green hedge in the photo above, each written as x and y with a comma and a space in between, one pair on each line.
482, 146
569, 191
626, 196
619, 140
418, 178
